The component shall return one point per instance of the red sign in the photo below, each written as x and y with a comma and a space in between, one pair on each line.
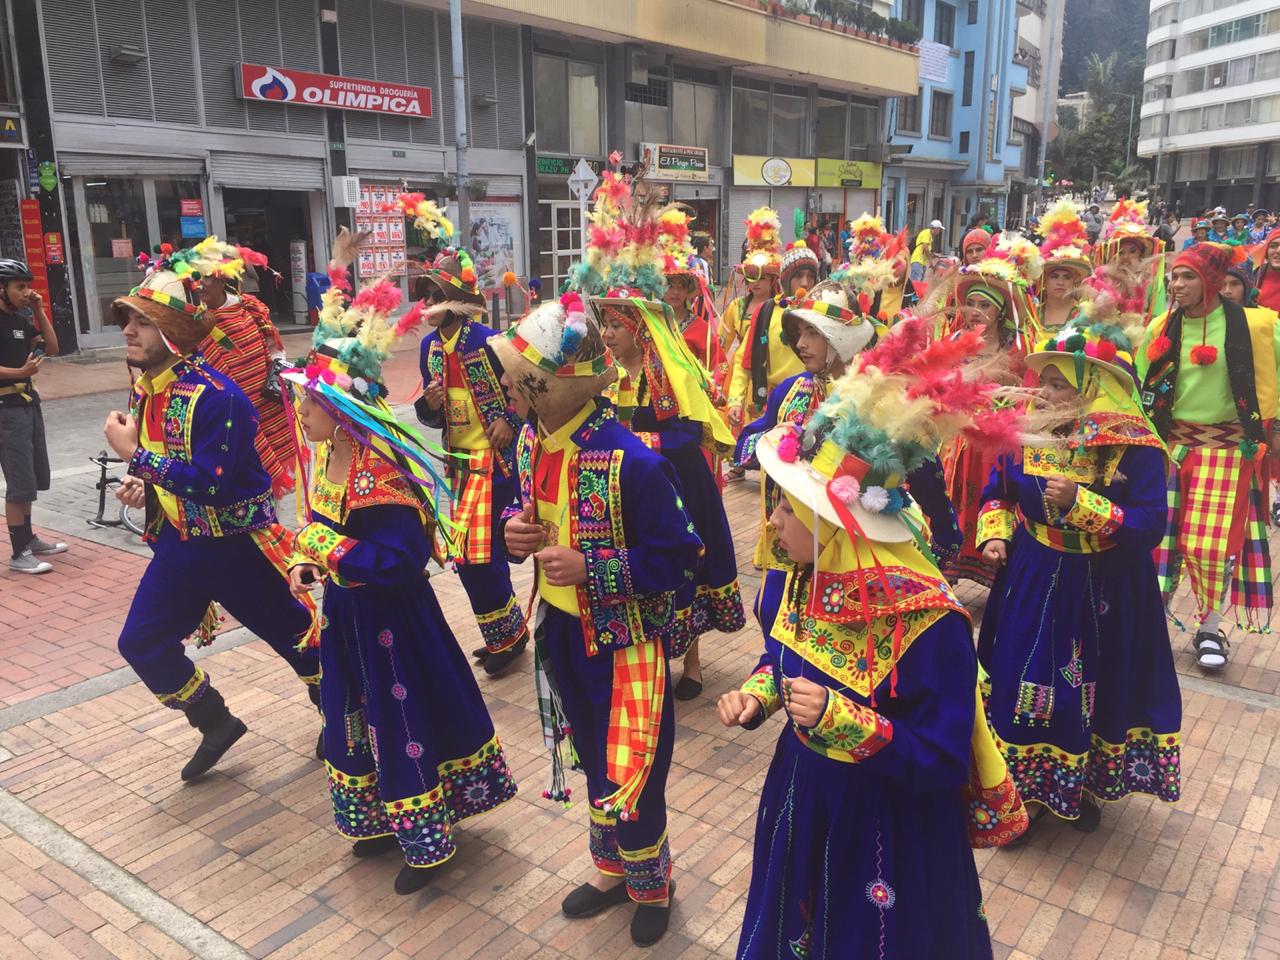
53, 248
33, 240
278, 85
191, 208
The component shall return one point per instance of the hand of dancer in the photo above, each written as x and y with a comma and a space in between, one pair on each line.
522, 535
735, 416
122, 433
1060, 492
132, 492
805, 700
434, 395
737, 709
500, 434
304, 578
996, 551
563, 566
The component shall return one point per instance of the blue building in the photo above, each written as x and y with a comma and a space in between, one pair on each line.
954, 145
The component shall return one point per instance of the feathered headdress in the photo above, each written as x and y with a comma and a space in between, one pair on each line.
1128, 221
1012, 265
678, 255
427, 215
624, 258
764, 243
866, 238
1066, 242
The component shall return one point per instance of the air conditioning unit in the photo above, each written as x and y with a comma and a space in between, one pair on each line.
346, 191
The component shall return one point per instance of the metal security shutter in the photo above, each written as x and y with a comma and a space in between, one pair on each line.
218, 34
444, 90
127, 87
389, 58
260, 43
424, 67
300, 45
742, 200
122, 165
355, 44
787, 200
510, 87
263, 172
483, 121
169, 54
73, 59
501, 186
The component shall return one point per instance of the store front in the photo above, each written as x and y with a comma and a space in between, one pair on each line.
112, 217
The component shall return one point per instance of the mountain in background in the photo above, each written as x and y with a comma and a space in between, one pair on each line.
1103, 27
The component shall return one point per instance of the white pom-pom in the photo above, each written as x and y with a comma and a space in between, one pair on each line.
875, 499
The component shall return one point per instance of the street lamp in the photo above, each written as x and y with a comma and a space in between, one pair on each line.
1128, 144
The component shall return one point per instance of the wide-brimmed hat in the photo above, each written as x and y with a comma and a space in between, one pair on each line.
1085, 345
169, 301
454, 275
555, 357
1128, 222
827, 310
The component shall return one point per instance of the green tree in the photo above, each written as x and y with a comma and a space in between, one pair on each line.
1100, 81
1068, 118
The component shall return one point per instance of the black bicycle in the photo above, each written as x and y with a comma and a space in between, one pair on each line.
127, 517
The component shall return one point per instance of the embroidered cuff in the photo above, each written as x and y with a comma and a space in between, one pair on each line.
609, 576
996, 521
745, 455
148, 466
762, 686
1094, 513
849, 731
321, 545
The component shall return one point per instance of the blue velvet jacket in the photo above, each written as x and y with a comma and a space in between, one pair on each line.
627, 518
209, 463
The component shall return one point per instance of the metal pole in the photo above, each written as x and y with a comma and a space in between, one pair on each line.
1050, 100
463, 225
1128, 144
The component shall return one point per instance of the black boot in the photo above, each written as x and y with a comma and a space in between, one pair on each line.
211, 717
375, 846
411, 879
313, 691
649, 923
496, 663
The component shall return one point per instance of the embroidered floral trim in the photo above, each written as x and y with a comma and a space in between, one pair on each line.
1095, 514
996, 521
648, 871
322, 545
847, 731
192, 691
764, 688
502, 629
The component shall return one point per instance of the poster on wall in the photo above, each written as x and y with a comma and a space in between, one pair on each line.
384, 251
34, 244
496, 239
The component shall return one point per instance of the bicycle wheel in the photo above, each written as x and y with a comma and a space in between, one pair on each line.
129, 519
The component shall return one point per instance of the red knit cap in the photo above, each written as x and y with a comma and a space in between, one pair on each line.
975, 238
1209, 261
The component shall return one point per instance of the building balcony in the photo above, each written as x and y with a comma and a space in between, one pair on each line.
1035, 8
792, 47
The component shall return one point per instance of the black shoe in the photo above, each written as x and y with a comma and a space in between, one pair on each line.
374, 846
313, 694
216, 742
496, 663
688, 688
1211, 650
650, 921
320, 745
587, 901
480, 654
1035, 821
412, 879
1090, 816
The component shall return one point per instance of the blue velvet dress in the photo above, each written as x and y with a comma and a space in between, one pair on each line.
1084, 697
410, 749
712, 600
871, 858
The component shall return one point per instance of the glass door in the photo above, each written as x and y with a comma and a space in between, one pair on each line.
561, 230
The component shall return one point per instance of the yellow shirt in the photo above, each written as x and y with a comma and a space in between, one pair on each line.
554, 514
466, 429
153, 386
783, 363
923, 247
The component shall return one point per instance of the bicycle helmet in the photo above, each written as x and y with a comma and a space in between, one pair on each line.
14, 270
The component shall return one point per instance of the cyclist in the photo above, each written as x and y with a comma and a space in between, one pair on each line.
26, 338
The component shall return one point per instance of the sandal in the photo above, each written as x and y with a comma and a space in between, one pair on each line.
1211, 650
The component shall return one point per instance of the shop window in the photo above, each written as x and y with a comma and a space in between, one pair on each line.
567, 105
648, 110
831, 134
940, 115
115, 209
864, 124
750, 121
696, 116
788, 126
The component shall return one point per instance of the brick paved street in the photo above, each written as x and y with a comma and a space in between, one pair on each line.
105, 853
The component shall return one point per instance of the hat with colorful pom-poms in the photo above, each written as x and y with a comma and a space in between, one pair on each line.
168, 297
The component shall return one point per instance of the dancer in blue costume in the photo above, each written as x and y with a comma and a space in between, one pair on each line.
464, 398
411, 751
188, 442
601, 516
1084, 698
863, 836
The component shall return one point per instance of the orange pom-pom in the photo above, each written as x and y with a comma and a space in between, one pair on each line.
509, 279
468, 275
800, 293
